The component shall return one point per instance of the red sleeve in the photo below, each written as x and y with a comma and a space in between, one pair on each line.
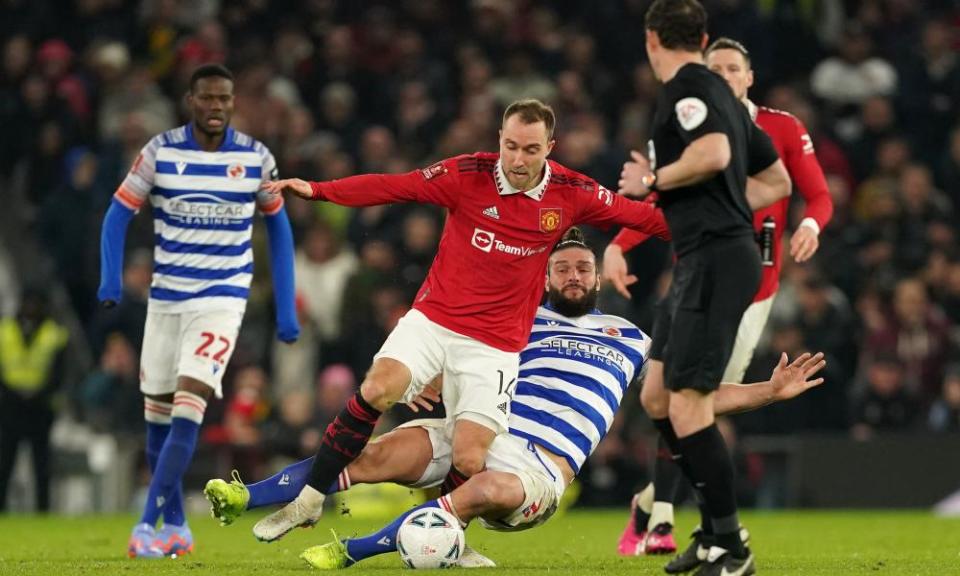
435, 184
605, 208
801, 163
628, 239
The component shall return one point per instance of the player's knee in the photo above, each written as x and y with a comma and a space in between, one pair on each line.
370, 459
469, 462
377, 392
497, 491
655, 401
385, 383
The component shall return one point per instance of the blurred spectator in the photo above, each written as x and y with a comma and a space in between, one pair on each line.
247, 407
323, 267
32, 348
109, 397
55, 63
855, 73
295, 363
521, 79
69, 229
868, 139
421, 236
130, 314
134, 91
949, 174
916, 333
884, 404
923, 209
930, 87
290, 432
945, 412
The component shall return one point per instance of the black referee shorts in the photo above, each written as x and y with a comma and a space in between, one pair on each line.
662, 317
712, 287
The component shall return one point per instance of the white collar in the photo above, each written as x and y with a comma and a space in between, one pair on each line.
505, 188
751, 108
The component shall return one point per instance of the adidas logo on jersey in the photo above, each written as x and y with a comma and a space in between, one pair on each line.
492, 213
502, 407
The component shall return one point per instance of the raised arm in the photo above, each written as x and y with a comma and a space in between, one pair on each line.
436, 184
787, 381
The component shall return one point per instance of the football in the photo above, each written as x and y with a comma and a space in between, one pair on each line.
430, 538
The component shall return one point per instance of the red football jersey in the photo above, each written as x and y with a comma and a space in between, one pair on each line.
795, 148
487, 278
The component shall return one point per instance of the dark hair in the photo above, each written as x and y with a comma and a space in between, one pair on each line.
573, 238
209, 71
532, 111
724, 43
680, 24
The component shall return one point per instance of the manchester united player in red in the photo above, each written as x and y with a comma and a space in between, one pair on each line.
650, 527
475, 310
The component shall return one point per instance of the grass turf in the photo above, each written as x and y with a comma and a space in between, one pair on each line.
579, 542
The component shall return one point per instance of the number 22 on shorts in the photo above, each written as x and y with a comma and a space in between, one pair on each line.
208, 339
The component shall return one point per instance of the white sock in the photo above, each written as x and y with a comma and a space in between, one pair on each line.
644, 499
662, 513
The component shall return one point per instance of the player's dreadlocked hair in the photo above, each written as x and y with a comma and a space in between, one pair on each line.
572, 239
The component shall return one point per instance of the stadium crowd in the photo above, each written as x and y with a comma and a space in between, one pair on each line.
335, 88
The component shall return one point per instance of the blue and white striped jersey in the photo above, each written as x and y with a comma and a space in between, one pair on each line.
203, 205
573, 374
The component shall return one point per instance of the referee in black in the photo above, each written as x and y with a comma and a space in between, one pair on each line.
704, 146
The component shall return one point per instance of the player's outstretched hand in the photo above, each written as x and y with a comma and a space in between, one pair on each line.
804, 244
615, 270
793, 379
299, 187
631, 178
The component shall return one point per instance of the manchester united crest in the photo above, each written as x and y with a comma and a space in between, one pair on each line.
550, 219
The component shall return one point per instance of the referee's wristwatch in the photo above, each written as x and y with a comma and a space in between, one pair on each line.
649, 181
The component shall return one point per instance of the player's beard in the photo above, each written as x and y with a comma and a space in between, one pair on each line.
570, 307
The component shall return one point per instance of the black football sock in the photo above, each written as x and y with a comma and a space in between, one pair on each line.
709, 461
453, 480
342, 442
666, 474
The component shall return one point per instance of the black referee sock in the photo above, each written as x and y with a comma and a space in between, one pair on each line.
709, 461
669, 437
666, 475
342, 442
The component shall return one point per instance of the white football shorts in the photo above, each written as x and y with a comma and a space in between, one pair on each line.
478, 379
748, 336
542, 481
194, 344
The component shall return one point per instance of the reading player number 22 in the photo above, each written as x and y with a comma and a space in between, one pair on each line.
208, 339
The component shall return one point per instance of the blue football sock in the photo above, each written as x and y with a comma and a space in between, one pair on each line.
172, 462
384, 540
284, 486
156, 436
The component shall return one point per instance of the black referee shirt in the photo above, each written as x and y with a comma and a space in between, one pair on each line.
697, 102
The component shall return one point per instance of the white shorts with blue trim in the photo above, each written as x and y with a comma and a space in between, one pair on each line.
542, 481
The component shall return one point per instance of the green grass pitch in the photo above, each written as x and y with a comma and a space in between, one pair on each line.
836, 543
